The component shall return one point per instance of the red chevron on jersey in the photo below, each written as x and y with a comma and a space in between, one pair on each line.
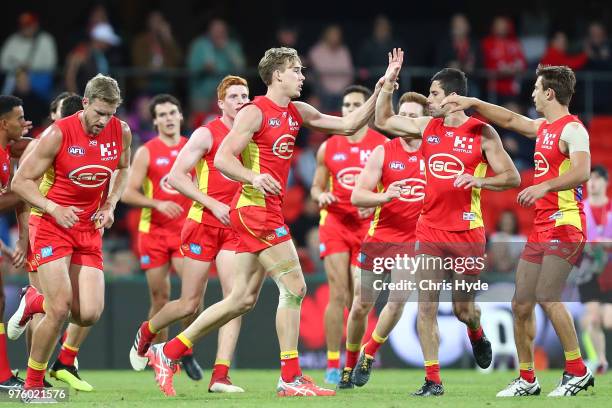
156, 186
449, 152
559, 207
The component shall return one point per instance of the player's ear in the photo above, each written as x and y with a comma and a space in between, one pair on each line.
220, 104
85, 102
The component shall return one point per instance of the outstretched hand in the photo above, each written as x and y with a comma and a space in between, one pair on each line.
454, 103
396, 58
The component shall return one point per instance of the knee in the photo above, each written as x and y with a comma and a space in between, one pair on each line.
522, 310
361, 309
246, 303
463, 312
396, 308
591, 319
58, 310
190, 305
159, 298
88, 319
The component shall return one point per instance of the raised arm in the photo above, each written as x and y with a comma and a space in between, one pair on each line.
506, 175
318, 191
498, 115
246, 124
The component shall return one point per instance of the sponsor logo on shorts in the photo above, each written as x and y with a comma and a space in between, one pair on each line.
281, 231
77, 151
556, 215
433, 139
46, 251
321, 248
339, 157
361, 257
145, 259
283, 147
195, 249
469, 216
271, 237
90, 176
445, 166
554, 244
397, 165
274, 122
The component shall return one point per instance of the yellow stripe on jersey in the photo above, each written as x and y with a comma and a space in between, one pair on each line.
202, 171
568, 206
477, 222
44, 187
374, 223
249, 194
330, 184
145, 214
323, 216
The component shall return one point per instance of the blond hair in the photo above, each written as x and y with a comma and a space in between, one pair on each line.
414, 97
275, 59
227, 82
103, 88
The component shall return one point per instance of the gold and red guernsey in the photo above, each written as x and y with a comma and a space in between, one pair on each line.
559, 207
270, 152
211, 181
82, 169
156, 186
449, 152
345, 160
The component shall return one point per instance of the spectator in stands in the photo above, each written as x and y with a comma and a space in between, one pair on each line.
155, 49
375, 48
32, 49
506, 244
502, 54
556, 53
331, 60
458, 50
211, 57
33, 104
88, 59
139, 119
287, 36
598, 48
518, 146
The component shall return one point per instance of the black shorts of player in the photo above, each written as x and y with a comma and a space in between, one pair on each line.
591, 292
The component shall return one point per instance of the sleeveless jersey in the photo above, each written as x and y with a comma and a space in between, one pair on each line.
269, 151
345, 161
559, 207
82, 168
156, 186
5, 166
449, 152
211, 181
400, 213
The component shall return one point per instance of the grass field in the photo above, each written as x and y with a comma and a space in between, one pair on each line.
387, 388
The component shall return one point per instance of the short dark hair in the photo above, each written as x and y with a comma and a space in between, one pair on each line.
163, 98
71, 105
357, 89
560, 79
601, 171
56, 101
451, 80
8, 102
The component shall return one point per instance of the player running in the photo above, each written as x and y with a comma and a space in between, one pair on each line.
164, 210
456, 149
397, 169
264, 135
340, 160
206, 235
77, 156
562, 164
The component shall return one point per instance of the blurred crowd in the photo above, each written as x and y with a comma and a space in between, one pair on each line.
33, 70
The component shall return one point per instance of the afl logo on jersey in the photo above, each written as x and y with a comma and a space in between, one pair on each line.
541, 164
339, 157
165, 185
283, 147
162, 161
433, 139
397, 165
274, 122
90, 176
347, 177
77, 151
413, 190
445, 166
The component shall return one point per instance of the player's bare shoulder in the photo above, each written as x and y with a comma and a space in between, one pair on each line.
126, 133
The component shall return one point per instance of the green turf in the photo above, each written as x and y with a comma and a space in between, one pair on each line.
387, 388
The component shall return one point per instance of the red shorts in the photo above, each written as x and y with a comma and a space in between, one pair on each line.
156, 248
337, 237
49, 242
33, 222
467, 245
257, 228
203, 242
376, 248
565, 241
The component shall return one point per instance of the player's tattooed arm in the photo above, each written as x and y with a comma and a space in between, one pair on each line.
506, 175
319, 190
198, 145
368, 180
499, 115
246, 124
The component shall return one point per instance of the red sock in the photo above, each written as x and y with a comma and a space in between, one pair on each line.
351, 358
35, 301
5, 366
374, 344
35, 374
527, 375
67, 355
220, 371
189, 352
475, 334
176, 348
575, 367
333, 359
432, 372
290, 366
145, 330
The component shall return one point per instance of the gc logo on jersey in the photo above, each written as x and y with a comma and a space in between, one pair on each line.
90, 176
347, 177
77, 151
541, 164
445, 166
283, 147
413, 190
